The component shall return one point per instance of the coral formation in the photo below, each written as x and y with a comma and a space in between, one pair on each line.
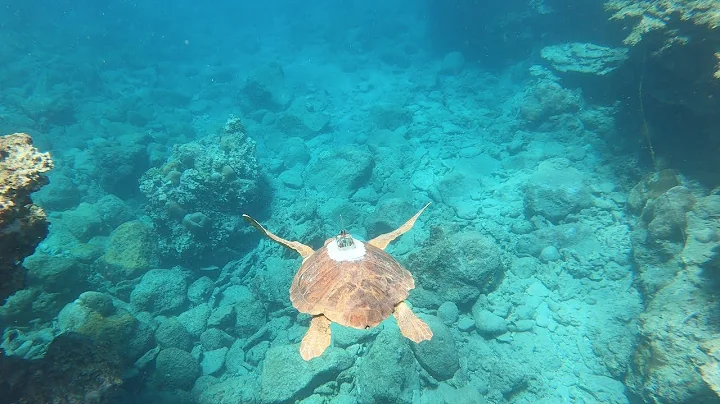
556, 190
118, 163
678, 66
584, 57
457, 266
545, 98
711, 369
524, 271
75, 369
265, 88
348, 167
675, 244
131, 249
655, 15
78, 255
196, 198
94, 315
22, 224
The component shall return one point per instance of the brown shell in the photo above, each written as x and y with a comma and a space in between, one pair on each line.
357, 294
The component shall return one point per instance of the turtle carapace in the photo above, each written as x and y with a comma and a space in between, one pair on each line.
353, 283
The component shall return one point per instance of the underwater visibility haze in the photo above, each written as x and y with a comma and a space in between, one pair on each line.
212, 202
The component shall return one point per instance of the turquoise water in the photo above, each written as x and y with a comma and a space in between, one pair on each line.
569, 253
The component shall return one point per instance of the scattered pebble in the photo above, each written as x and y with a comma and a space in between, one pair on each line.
550, 254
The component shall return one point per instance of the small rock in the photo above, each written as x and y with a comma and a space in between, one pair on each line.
448, 313
466, 324
160, 291
550, 254
522, 227
453, 63
423, 180
285, 375
200, 290
172, 334
543, 315
466, 211
439, 356
537, 289
506, 338
222, 317
239, 389
524, 312
380, 383
213, 339
489, 324
235, 358
525, 267
195, 319
344, 337
292, 178
523, 325
175, 369
202, 383
344, 399
213, 361
706, 235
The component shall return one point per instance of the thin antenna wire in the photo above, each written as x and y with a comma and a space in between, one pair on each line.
645, 129
344, 240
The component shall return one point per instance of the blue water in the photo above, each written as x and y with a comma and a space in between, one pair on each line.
569, 253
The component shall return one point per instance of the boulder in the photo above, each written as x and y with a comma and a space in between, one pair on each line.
286, 377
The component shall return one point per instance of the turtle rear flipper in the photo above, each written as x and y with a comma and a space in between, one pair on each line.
410, 325
301, 248
383, 240
316, 339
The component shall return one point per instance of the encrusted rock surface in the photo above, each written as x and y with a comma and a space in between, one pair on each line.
584, 57
76, 369
196, 199
22, 224
675, 246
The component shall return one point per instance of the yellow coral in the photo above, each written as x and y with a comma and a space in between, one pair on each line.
131, 249
21, 169
655, 14
171, 166
624, 9
645, 25
710, 370
115, 329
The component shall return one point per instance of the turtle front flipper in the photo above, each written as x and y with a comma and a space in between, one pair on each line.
410, 325
301, 248
383, 240
316, 339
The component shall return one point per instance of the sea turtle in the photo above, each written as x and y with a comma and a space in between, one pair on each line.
352, 283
